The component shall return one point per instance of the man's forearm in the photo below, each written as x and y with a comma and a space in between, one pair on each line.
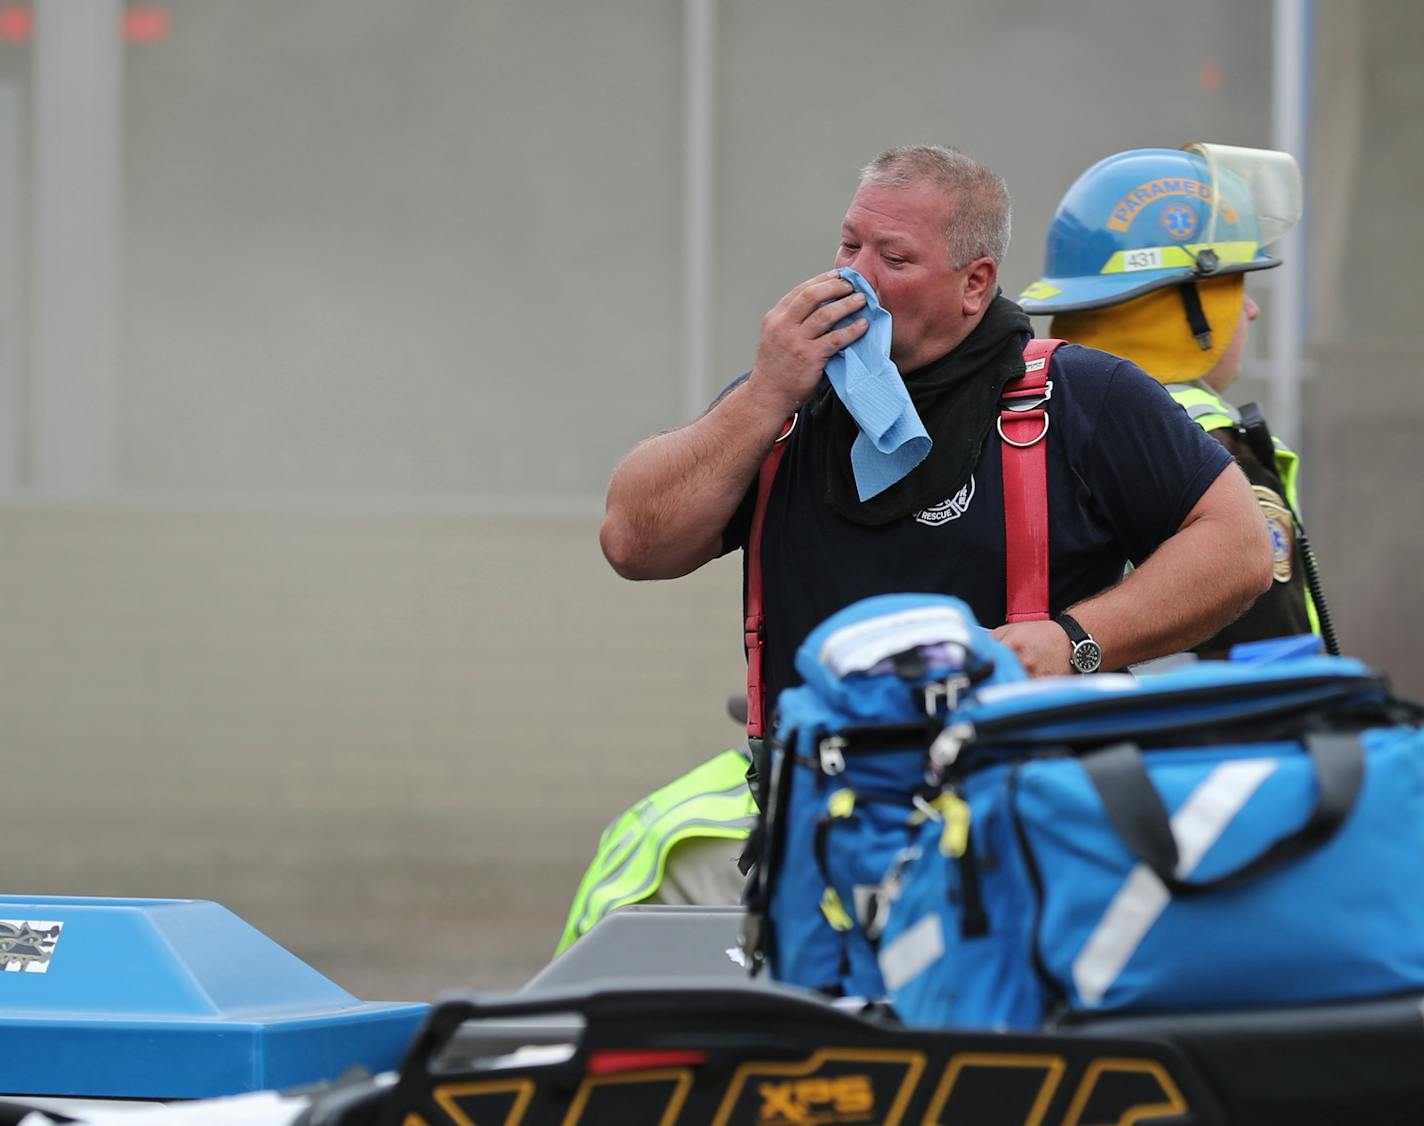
1151, 613
1198, 582
670, 498
1201, 579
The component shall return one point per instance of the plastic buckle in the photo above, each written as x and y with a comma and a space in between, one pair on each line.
1011, 400
831, 751
944, 751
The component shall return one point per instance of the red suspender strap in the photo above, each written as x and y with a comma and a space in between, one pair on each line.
755, 625
1023, 425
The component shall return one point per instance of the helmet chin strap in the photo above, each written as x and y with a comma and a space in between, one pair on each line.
1196, 316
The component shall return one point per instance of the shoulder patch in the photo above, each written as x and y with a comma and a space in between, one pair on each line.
1282, 528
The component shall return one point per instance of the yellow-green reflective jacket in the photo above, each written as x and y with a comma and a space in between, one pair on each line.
712, 800
1211, 412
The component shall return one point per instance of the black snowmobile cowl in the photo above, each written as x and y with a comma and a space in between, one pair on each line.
698, 1044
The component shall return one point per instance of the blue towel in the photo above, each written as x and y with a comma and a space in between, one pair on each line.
892, 439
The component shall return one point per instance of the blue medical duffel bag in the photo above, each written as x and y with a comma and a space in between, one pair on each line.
1220, 837
850, 778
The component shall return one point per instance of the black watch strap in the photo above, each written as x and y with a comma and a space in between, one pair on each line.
1087, 655
1075, 632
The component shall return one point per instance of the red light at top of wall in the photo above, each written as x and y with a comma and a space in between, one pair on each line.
147, 24
16, 23
1210, 76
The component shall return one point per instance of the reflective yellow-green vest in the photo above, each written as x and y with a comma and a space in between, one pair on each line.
1211, 412
712, 800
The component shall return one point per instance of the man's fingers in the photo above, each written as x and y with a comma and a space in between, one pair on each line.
819, 279
825, 317
840, 338
805, 319
806, 298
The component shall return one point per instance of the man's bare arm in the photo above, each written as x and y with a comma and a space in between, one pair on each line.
670, 498
1200, 580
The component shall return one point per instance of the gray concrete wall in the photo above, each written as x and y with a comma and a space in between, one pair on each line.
1365, 507
436, 247
390, 742
402, 284
1366, 400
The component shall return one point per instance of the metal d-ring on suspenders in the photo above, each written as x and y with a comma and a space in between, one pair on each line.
1023, 425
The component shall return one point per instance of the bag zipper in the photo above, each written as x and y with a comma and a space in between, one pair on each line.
1057, 993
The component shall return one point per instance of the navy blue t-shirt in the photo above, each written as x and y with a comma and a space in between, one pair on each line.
1125, 467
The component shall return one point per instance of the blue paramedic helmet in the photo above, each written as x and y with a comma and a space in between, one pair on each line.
1151, 218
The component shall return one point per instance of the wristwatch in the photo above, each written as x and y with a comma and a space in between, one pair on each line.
1087, 655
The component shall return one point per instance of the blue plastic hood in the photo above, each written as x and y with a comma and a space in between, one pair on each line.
166, 999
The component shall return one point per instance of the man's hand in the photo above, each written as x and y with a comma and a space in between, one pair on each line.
670, 498
1042, 647
798, 338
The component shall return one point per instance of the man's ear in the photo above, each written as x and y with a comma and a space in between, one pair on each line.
981, 283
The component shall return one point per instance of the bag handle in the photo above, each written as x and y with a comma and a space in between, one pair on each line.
1135, 809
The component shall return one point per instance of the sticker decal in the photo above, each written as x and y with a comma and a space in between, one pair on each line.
947, 510
1147, 258
1180, 221
27, 945
831, 1087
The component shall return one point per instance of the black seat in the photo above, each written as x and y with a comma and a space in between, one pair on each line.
1355, 1062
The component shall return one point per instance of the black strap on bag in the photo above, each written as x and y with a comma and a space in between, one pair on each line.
756, 938
1136, 812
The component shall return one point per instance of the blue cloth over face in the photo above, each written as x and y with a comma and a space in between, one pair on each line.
892, 439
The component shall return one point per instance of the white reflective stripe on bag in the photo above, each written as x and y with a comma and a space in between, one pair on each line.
1196, 826
913, 951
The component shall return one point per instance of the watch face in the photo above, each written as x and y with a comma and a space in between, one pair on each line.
1087, 656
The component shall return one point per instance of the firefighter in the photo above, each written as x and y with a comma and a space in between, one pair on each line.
1146, 257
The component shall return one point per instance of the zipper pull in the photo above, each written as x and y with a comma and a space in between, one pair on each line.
944, 751
954, 811
950, 689
834, 912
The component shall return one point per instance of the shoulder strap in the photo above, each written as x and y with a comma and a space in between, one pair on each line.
1273, 453
1023, 425
754, 626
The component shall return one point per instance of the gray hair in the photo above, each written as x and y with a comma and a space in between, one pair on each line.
979, 225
